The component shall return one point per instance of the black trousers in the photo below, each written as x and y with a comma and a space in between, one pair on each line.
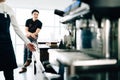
8, 74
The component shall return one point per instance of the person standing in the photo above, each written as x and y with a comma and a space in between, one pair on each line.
32, 28
7, 55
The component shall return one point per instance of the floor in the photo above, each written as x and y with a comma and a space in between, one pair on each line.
23, 76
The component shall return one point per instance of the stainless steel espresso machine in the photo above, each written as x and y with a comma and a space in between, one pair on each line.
97, 52
107, 15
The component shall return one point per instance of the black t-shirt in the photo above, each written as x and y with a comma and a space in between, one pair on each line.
33, 25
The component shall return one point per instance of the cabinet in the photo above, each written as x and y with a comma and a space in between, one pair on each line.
43, 47
44, 56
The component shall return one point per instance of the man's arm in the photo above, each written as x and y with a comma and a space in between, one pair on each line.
37, 31
34, 35
28, 34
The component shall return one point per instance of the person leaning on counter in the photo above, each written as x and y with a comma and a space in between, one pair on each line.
32, 28
7, 56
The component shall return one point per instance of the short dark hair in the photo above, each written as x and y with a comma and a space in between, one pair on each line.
35, 11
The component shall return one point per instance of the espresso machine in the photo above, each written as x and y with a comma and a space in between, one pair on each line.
107, 15
99, 58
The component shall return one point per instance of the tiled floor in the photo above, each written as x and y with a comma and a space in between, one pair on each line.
23, 76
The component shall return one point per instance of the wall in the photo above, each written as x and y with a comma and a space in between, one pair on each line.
43, 4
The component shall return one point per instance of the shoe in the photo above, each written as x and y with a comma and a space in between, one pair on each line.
23, 70
27, 63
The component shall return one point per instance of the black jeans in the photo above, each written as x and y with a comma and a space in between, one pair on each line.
27, 52
8, 74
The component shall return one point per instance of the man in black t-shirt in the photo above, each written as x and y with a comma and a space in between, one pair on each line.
32, 28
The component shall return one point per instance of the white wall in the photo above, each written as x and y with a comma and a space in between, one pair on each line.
42, 4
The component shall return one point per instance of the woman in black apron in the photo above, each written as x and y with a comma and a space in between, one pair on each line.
7, 56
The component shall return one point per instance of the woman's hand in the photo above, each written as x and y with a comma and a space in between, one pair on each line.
31, 47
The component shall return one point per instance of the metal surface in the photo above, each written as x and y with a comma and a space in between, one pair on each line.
79, 59
94, 62
119, 39
106, 33
67, 57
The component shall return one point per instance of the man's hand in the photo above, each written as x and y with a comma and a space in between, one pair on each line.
33, 36
28, 34
31, 47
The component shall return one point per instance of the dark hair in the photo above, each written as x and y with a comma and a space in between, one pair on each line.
35, 11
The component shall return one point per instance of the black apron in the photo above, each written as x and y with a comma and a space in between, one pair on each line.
7, 56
